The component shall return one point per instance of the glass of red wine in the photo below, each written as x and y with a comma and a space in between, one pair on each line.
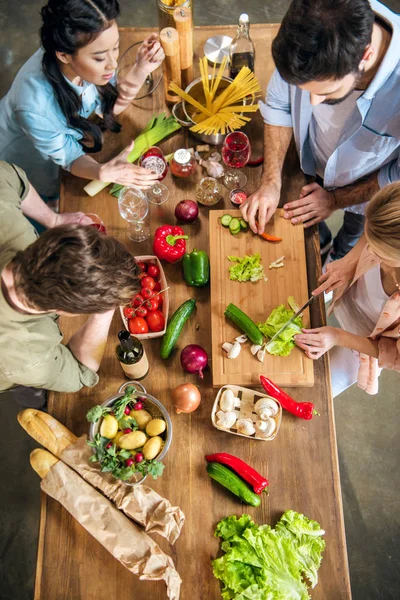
153, 159
96, 222
236, 152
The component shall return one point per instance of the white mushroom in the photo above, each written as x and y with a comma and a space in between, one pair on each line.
245, 426
227, 346
266, 404
235, 350
226, 420
242, 339
266, 428
255, 348
227, 400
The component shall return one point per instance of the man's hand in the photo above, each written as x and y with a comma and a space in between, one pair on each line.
315, 205
315, 342
338, 273
75, 217
264, 202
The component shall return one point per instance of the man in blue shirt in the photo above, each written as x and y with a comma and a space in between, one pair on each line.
336, 88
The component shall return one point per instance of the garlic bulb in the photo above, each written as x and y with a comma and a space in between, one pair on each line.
245, 426
227, 400
265, 428
266, 407
226, 420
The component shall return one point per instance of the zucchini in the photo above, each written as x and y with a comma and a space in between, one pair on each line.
243, 224
245, 324
175, 326
234, 226
225, 220
233, 483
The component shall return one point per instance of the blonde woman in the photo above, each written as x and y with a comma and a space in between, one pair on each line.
366, 302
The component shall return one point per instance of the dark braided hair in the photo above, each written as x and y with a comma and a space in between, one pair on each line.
69, 25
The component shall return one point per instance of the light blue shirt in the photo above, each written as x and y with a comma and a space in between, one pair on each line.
34, 133
371, 139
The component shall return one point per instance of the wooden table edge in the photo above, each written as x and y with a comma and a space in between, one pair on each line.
40, 551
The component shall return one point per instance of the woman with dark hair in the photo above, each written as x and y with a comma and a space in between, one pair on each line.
44, 116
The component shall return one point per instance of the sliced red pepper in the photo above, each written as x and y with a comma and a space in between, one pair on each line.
247, 473
304, 410
169, 243
268, 237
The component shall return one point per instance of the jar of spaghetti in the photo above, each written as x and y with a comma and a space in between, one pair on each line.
166, 11
183, 163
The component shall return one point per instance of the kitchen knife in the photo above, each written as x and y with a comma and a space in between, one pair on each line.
301, 309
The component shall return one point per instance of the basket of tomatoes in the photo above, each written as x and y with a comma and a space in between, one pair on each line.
147, 314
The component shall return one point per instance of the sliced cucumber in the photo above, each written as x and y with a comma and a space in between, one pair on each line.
243, 224
234, 226
225, 220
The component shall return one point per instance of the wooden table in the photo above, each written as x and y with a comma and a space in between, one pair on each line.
301, 464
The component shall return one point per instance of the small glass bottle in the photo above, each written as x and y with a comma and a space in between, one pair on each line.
132, 356
241, 50
183, 163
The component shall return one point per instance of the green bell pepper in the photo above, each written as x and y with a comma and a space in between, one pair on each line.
196, 268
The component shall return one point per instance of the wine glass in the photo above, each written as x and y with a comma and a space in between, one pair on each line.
153, 159
133, 207
96, 222
235, 154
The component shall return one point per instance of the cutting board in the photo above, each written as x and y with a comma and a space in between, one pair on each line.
257, 300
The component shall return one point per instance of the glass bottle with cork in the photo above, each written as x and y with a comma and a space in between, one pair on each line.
241, 50
132, 356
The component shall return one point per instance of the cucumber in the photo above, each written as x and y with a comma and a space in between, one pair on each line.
234, 226
243, 224
233, 483
244, 323
225, 220
175, 326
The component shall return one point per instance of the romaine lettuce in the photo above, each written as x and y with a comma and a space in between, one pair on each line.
284, 344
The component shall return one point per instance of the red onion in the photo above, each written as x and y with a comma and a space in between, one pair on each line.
194, 359
186, 211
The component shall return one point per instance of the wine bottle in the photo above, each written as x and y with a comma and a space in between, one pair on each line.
241, 50
132, 356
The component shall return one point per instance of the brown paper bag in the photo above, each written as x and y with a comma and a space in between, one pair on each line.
140, 503
122, 538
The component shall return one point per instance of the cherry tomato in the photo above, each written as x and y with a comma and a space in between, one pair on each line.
157, 286
138, 325
152, 303
148, 282
137, 300
129, 312
142, 266
141, 311
155, 320
146, 293
153, 271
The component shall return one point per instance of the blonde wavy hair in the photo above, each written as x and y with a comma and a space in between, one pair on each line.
382, 226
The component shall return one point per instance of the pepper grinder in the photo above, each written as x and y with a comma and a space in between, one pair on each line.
169, 39
184, 25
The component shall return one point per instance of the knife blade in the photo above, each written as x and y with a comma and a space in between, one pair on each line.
301, 309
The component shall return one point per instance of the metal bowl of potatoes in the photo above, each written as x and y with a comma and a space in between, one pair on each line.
152, 406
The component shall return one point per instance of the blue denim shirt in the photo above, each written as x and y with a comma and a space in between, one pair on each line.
371, 143
34, 133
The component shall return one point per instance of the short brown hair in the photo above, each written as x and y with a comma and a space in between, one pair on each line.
75, 269
382, 225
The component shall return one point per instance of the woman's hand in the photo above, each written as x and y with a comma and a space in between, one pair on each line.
315, 342
119, 170
338, 273
150, 55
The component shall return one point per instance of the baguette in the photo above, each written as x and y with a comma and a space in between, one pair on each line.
46, 430
42, 461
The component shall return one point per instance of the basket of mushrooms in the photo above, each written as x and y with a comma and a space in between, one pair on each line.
244, 412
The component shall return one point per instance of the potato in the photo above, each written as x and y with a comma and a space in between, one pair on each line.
152, 447
155, 427
142, 417
116, 439
130, 441
109, 427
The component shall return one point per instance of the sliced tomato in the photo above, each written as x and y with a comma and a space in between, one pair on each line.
138, 325
129, 312
155, 320
137, 300
148, 282
153, 271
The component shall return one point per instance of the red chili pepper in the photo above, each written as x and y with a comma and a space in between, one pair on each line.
268, 237
169, 243
247, 473
304, 410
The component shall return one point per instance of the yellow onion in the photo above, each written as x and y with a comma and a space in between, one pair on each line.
186, 397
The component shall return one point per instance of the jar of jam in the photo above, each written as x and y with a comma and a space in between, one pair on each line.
183, 163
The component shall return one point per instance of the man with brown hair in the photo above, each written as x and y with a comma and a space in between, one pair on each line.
70, 269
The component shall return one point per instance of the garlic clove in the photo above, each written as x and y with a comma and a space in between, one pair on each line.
242, 339
266, 428
235, 350
245, 426
227, 346
261, 355
255, 348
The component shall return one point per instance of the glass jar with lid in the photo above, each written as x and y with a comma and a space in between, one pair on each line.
183, 163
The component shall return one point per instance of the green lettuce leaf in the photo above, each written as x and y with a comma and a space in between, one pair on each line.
284, 344
248, 268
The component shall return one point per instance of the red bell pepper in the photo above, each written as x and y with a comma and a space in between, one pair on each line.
246, 472
169, 243
304, 410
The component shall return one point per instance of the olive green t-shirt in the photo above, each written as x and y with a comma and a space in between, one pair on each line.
31, 352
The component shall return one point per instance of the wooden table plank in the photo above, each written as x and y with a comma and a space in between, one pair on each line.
301, 463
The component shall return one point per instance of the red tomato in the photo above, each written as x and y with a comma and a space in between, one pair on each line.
146, 293
152, 303
137, 300
157, 286
138, 325
142, 266
148, 282
129, 312
153, 271
155, 320
141, 311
